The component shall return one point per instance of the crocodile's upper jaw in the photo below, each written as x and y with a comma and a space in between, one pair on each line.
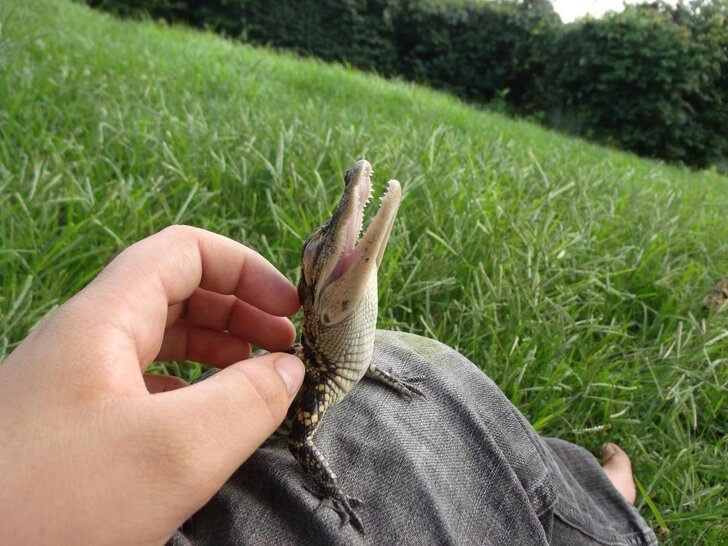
338, 285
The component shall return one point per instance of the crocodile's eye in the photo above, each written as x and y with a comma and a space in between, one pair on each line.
310, 254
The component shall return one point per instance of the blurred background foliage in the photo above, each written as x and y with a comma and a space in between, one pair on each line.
652, 79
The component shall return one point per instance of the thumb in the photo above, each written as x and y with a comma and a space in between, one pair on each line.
219, 422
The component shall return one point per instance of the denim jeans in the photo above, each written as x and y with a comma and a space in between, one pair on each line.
458, 466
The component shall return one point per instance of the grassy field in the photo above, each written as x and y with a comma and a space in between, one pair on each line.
572, 274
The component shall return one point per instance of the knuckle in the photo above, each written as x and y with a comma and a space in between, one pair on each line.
179, 234
178, 230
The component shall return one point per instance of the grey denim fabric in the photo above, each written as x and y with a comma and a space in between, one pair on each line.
460, 466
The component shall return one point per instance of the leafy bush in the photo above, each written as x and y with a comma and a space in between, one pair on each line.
352, 31
647, 79
358, 32
480, 51
653, 79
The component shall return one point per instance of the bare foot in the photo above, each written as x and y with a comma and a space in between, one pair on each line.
618, 469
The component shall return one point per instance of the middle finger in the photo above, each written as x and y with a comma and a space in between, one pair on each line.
227, 313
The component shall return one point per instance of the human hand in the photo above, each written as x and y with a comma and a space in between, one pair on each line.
92, 450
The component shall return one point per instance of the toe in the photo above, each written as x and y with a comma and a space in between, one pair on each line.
618, 468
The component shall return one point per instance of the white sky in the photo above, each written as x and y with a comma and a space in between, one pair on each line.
572, 9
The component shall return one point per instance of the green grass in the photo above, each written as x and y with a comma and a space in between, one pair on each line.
572, 274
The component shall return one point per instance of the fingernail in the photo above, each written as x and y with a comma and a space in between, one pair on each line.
290, 369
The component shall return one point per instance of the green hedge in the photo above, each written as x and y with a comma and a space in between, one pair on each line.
652, 79
480, 51
358, 32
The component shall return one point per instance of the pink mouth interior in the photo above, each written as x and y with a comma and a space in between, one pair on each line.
350, 251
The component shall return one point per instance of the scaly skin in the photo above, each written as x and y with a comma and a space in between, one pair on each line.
338, 292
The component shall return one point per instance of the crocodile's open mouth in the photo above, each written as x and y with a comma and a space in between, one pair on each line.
370, 249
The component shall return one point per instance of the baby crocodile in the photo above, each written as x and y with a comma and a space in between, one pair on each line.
338, 292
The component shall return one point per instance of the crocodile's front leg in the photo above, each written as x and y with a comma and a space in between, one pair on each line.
313, 403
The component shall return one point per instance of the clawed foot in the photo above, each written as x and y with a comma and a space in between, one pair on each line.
403, 386
344, 506
408, 391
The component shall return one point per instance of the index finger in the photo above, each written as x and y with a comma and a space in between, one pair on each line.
182, 258
166, 268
